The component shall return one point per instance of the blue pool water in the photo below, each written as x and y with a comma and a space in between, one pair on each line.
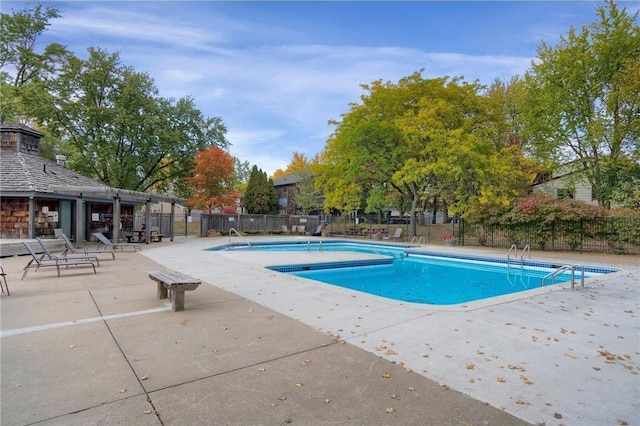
415, 277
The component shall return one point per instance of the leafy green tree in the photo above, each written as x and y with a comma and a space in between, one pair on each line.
120, 132
437, 137
580, 99
307, 197
23, 71
261, 196
377, 201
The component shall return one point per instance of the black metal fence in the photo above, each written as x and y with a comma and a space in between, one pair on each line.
606, 235
258, 224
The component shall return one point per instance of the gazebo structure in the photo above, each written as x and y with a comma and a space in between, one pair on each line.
38, 195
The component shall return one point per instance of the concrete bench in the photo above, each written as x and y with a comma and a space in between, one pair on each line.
177, 283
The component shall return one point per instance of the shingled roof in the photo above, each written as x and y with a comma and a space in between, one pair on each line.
28, 173
23, 172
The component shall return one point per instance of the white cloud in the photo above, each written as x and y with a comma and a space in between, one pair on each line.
274, 98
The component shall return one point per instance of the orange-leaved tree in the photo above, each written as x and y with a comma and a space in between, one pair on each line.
213, 180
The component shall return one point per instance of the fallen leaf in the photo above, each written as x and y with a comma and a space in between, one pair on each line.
390, 410
145, 377
147, 411
386, 375
411, 389
521, 402
123, 390
501, 380
622, 423
72, 346
326, 401
470, 366
394, 396
557, 415
306, 362
298, 385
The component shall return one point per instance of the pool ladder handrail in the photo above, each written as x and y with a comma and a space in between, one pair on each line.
418, 240
565, 268
514, 248
232, 230
309, 246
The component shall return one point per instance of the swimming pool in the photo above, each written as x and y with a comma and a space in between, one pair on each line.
401, 273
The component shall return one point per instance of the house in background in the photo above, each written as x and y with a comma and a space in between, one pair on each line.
287, 187
566, 181
38, 195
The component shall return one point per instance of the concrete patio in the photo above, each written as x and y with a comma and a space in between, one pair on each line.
259, 347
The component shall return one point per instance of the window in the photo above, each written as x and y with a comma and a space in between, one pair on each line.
563, 193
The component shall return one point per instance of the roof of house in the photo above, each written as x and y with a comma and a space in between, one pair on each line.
290, 179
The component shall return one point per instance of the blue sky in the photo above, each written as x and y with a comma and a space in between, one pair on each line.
277, 72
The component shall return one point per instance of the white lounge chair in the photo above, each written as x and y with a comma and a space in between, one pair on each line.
396, 236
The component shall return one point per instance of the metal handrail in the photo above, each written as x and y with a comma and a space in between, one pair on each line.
513, 248
417, 239
565, 268
232, 230
526, 248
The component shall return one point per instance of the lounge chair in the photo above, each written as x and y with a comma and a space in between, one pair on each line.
107, 243
65, 257
396, 236
302, 229
285, 230
4, 278
71, 249
317, 232
57, 263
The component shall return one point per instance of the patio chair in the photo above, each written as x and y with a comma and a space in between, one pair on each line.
302, 229
58, 231
4, 278
396, 236
285, 230
67, 256
38, 263
71, 249
317, 232
107, 243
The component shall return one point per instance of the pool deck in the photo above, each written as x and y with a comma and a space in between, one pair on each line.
255, 346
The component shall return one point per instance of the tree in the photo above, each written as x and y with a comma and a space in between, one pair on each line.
437, 137
23, 71
213, 180
307, 197
582, 99
299, 164
120, 132
261, 196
